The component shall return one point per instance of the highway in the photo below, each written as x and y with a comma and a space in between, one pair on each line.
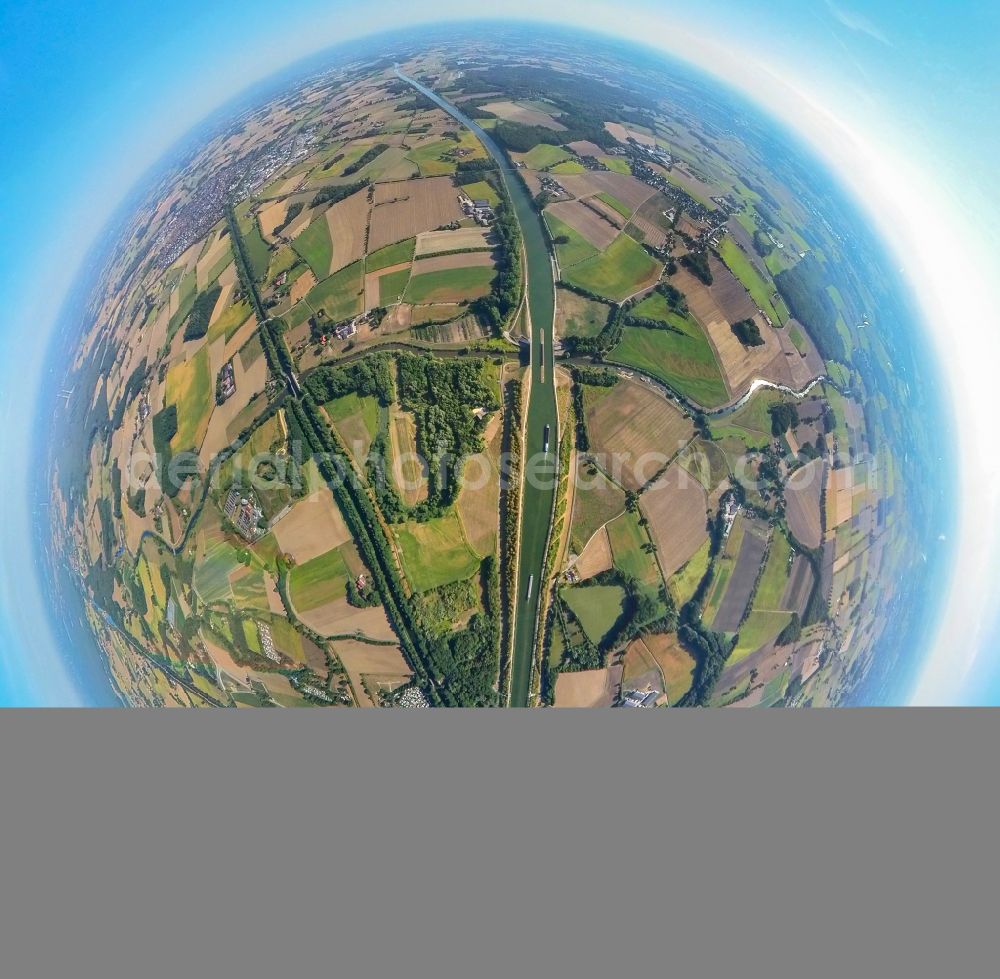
540, 470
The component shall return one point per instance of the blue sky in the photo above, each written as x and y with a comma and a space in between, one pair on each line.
899, 98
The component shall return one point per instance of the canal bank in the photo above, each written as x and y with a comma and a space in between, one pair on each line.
540, 470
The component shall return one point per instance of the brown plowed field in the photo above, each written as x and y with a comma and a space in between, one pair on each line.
599, 231
634, 432
675, 506
803, 495
312, 527
740, 364
619, 185
405, 209
741, 581
348, 224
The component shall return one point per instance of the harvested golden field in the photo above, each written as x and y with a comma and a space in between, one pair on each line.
225, 297
460, 260
622, 134
348, 224
340, 618
293, 230
301, 286
312, 527
634, 431
478, 501
363, 661
249, 385
434, 242
584, 688
839, 497
407, 208
673, 661
216, 257
803, 497
675, 506
271, 216
596, 556
595, 227
583, 147
526, 115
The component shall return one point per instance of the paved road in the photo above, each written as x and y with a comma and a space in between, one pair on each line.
539, 468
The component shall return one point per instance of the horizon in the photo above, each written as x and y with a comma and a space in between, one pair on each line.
932, 687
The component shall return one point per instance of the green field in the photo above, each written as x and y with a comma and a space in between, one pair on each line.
341, 294
744, 270
596, 501
628, 543
257, 251
401, 251
211, 574
568, 167
622, 208
435, 552
350, 405
216, 269
596, 606
318, 581
685, 582
315, 247
229, 321
482, 190
751, 423
545, 155
578, 316
392, 285
775, 689
450, 285
775, 575
428, 158
617, 164
683, 360
249, 591
619, 271
281, 261
577, 248
189, 386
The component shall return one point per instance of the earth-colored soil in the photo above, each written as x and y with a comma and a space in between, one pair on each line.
634, 431
524, 114
596, 228
803, 496
596, 556
312, 527
676, 508
406, 208
341, 618
434, 242
585, 688
478, 501
347, 221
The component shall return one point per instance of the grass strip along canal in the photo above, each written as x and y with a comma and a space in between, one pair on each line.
540, 469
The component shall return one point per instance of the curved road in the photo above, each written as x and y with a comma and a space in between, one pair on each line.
540, 468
